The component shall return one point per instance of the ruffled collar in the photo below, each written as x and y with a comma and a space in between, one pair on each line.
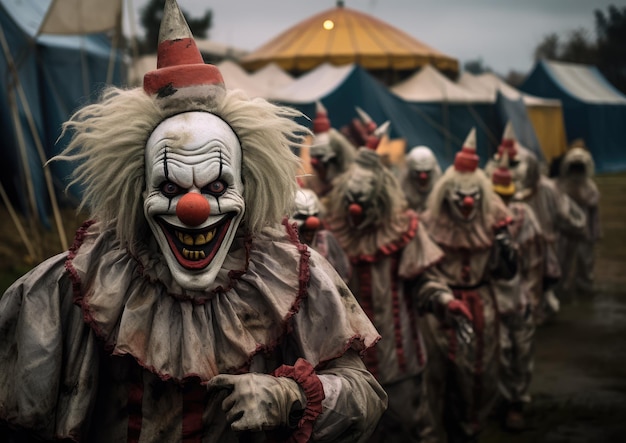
474, 234
373, 244
133, 305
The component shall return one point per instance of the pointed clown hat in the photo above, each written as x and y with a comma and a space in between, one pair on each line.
466, 159
509, 142
321, 123
502, 179
368, 123
179, 62
373, 140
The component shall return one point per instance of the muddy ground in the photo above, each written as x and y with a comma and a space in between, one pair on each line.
579, 387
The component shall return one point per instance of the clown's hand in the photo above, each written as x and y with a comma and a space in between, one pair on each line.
461, 318
258, 402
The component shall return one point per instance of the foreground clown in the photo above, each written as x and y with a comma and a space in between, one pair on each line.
391, 254
422, 172
469, 223
186, 311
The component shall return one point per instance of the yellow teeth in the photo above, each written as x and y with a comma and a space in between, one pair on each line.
200, 239
193, 255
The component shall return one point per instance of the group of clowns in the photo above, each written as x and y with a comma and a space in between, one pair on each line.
218, 295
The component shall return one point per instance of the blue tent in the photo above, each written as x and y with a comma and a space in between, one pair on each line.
44, 78
441, 126
592, 108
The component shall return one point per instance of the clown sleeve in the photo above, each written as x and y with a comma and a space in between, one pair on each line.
48, 357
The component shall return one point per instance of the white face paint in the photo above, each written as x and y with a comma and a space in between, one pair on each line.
194, 194
464, 200
359, 197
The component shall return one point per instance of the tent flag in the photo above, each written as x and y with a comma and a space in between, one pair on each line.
592, 109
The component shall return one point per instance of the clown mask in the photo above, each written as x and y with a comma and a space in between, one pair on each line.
306, 215
323, 158
464, 200
193, 200
360, 193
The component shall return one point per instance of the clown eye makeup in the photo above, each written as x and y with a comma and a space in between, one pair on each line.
170, 189
216, 188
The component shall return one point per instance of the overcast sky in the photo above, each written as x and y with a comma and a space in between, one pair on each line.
503, 33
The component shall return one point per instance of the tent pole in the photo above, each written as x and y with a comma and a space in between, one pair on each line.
114, 44
38, 144
18, 223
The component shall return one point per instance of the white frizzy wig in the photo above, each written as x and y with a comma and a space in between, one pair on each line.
109, 139
451, 178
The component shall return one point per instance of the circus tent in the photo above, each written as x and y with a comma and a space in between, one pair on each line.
341, 36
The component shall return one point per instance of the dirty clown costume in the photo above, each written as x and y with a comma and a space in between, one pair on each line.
391, 253
185, 311
469, 223
515, 299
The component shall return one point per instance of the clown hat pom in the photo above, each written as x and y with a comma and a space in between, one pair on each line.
508, 142
179, 62
502, 179
466, 159
321, 123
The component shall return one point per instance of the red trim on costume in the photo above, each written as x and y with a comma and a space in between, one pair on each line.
475, 304
302, 372
304, 272
134, 406
364, 273
193, 407
395, 310
79, 238
392, 247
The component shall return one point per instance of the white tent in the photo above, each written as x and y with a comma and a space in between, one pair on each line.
235, 77
429, 85
545, 114
314, 85
273, 77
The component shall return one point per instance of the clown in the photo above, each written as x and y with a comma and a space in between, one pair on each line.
558, 215
422, 172
391, 254
330, 152
185, 310
360, 128
469, 222
576, 255
307, 216
517, 325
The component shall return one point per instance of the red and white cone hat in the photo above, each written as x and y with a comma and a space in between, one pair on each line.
502, 179
466, 159
374, 139
179, 62
509, 142
321, 123
368, 123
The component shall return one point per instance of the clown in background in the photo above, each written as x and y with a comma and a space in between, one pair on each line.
514, 299
421, 174
187, 309
469, 223
308, 217
331, 153
558, 216
577, 255
391, 254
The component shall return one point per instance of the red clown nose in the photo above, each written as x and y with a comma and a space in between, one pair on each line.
355, 209
193, 209
312, 223
468, 202
423, 176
